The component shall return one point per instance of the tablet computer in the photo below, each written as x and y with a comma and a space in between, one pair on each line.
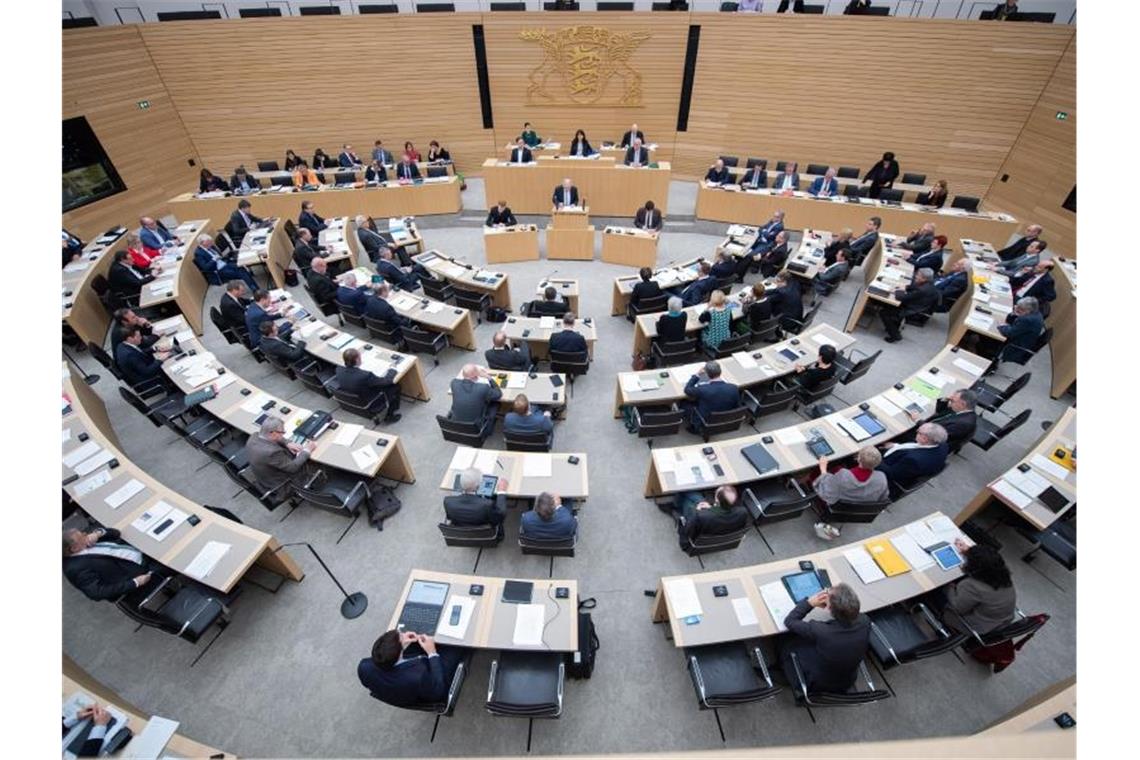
802, 585
947, 557
870, 423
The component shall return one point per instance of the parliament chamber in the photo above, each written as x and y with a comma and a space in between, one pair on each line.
635, 371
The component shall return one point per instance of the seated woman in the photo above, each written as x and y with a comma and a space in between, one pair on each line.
810, 377
984, 599
717, 319
860, 483
410, 150
671, 325
291, 160
303, 175
322, 160
437, 155
529, 136
141, 257
580, 146
208, 182
937, 195
756, 306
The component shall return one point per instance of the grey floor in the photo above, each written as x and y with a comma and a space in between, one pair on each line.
281, 680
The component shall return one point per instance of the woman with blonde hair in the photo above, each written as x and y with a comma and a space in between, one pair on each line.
717, 319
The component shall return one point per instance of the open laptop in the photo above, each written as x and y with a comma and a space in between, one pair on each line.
423, 607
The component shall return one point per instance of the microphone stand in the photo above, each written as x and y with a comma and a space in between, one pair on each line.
88, 377
354, 604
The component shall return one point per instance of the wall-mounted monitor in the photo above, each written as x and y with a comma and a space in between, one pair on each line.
88, 174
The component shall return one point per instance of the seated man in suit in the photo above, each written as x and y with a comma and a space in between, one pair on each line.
467, 509
550, 305
376, 172
633, 133
919, 241
261, 310
153, 237
709, 394
765, 239
648, 218
957, 416
523, 418
637, 154
787, 301
789, 179
724, 266
773, 260
565, 194
697, 516
242, 220
550, 520
96, 739
920, 297
647, 287
403, 278
136, 364
349, 294
568, 340
1036, 282
825, 186
863, 244
502, 357
698, 290
1031, 257
123, 279
408, 668
828, 653
1018, 247
305, 250
373, 241
1022, 330
718, 174
276, 463
123, 320
954, 283
320, 284
104, 567
348, 158
521, 154
828, 280
241, 182
382, 392
501, 216
906, 463
215, 267
406, 170
287, 351
233, 305
376, 307
839, 241
755, 178
382, 154
311, 220
932, 259
475, 401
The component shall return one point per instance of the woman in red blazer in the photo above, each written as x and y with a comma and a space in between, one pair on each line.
140, 256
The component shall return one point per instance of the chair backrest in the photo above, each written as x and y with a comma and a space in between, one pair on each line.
654, 423
1012, 424
859, 368
456, 431
724, 422
559, 547
774, 399
671, 351
854, 191
527, 684
1013, 388
817, 169
855, 512
311, 380
480, 536
527, 441
223, 328
967, 202
471, 299
281, 181
651, 305
437, 171
385, 331
809, 317
737, 342
423, 341
344, 178
280, 365
1015, 630
821, 390
933, 648
890, 194
729, 160
572, 363
724, 284
132, 398
913, 179
729, 7
761, 162
355, 404
350, 314
848, 172
440, 290
766, 512
765, 331
781, 165
268, 166
333, 499
708, 543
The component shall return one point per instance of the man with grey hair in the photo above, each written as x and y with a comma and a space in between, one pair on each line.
104, 567
469, 509
216, 268
709, 394
919, 241
860, 484
955, 414
320, 284
920, 297
1022, 329
277, 463
954, 283
550, 520
374, 241
905, 464
826, 655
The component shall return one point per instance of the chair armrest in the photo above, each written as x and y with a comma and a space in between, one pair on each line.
866, 675
491, 680
206, 603
700, 419
878, 633
700, 681
934, 622
800, 683
456, 685
360, 486
152, 594
561, 683
763, 666
752, 504
977, 636
318, 475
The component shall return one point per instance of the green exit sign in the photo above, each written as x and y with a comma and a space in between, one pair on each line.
145, 104
1062, 115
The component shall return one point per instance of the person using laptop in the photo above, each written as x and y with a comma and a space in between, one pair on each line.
859, 484
408, 668
827, 653
550, 520
468, 509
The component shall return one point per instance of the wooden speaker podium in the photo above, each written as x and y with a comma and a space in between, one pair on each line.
570, 234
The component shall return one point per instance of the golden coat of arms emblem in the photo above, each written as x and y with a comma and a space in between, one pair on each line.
585, 60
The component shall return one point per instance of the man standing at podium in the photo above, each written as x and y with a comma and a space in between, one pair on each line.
565, 194
636, 155
633, 134
521, 154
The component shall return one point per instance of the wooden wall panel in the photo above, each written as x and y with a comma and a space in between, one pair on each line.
105, 73
1042, 166
659, 59
949, 98
250, 89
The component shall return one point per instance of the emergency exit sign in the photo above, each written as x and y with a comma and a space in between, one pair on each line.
1062, 115
145, 104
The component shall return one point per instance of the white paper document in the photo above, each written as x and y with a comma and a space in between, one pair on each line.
914, 554
546, 323
938, 381
922, 535
90, 465
516, 380
682, 596
822, 339
365, 457
122, 495
745, 615
347, 434
93, 482
864, 564
630, 383
1049, 467
969, 366
778, 601
66, 435
790, 436
341, 340
537, 465
744, 359
1029, 483
944, 529
176, 517
485, 461
885, 406
852, 428
151, 517
254, 403
207, 559
1011, 493
77, 455
463, 458
466, 606
151, 741
529, 624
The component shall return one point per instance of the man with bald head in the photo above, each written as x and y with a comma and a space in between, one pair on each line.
920, 240
153, 237
350, 294
718, 174
633, 134
475, 398
320, 284
1018, 247
502, 356
565, 194
953, 284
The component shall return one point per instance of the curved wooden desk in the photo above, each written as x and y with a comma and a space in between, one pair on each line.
181, 282
468, 276
82, 309
610, 187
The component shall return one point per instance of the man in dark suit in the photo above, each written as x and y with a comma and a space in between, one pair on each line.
825, 186
1031, 257
521, 154
828, 280
699, 289
773, 260
123, 279
549, 306
632, 134
828, 653
215, 267
920, 297
376, 307
550, 520
259, 311
919, 241
383, 392
376, 172
718, 173
863, 244
382, 154
122, 321
407, 669
320, 284
502, 357
754, 178
233, 305
953, 284
839, 241
136, 364
957, 416
568, 340
241, 182
275, 462
1036, 282
724, 266
310, 220
765, 239
501, 216
1022, 330
789, 179
406, 170
242, 221
932, 259
348, 158
473, 401
787, 301
637, 154
304, 251
526, 419
882, 174
565, 194
350, 294
287, 351
1018, 247
906, 463
648, 218
708, 394
372, 241
403, 278
696, 516
103, 566
468, 509
647, 287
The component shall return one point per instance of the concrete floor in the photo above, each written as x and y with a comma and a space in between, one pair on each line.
281, 680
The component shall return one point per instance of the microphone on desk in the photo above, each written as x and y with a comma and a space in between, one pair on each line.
548, 276
354, 604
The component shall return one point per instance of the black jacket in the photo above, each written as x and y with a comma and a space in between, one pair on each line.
322, 286
506, 216
568, 342
509, 359
126, 280
715, 521
287, 352
671, 329
644, 289
557, 196
469, 509
303, 254
103, 578
919, 299
233, 311
314, 223
828, 653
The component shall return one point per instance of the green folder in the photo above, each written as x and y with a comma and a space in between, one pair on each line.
926, 389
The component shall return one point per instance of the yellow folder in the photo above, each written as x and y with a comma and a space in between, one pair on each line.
887, 557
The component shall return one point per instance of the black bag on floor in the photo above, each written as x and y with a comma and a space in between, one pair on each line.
291, 278
580, 664
497, 314
381, 506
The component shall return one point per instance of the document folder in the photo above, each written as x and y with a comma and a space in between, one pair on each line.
887, 557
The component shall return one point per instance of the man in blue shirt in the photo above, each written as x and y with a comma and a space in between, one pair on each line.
215, 268
523, 419
550, 520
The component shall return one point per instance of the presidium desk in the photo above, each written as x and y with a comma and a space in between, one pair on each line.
607, 187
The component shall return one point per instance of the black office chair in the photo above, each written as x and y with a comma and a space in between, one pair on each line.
473, 301
317, 378
528, 441
570, 363
655, 421
817, 169
855, 191
913, 179
897, 638
718, 422
373, 409
268, 166
465, 433
437, 171
350, 314
327, 308
848, 172
425, 342
797, 326
710, 543
650, 305
187, 612
338, 492
1058, 540
445, 708
809, 699
526, 685
990, 397
344, 178
891, 194
898, 489
1021, 627
767, 331
729, 8
281, 181
440, 290
471, 536
781, 166
730, 674
237, 469
282, 366
965, 202
227, 332
173, 405
729, 161
987, 433
761, 162
849, 368
823, 389
762, 402
669, 353
384, 331
104, 358
548, 547
1019, 355
773, 501
729, 346
850, 511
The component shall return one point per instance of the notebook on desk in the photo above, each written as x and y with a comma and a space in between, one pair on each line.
759, 458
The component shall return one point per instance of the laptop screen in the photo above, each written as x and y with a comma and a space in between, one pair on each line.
428, 592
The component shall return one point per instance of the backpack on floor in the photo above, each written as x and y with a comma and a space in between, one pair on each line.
580, 664
382, 505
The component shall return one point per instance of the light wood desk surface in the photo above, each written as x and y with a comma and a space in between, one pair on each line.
492, 624
458, 324
340, 242
885, 271
181, 282
538, 337
910, 192
565, 479
538, 389
668, 276
86, 415
507, 244
788, 447
629, 246
764, 365
1062, 435
645, 326
468, 276
610, 188
719, 622
988, 298
270, 247
357, 172
82, 309
567, 288
1063, 320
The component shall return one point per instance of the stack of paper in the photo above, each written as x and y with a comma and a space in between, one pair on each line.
1014, 495
516, 380
744, 359
207, 559
347, 434
1049, 467
151, 517
681, 594
629, 382
778, 602
745, 615
89, 465
123, 494
884, 405
537, 465
77, 455
822, 339
529, 624
486, 461
914, 554
790, 436
365, 457
969, 366
864, 564
90, 484
466, 605
546, 323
